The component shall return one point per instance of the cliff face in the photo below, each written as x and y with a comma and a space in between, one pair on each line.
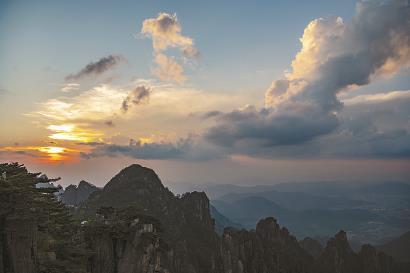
338, 257
19, 246
268, 249
127, 245
75, 195
311, 246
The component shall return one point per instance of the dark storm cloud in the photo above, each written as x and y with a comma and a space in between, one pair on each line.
97, 68
303, 106
136, 96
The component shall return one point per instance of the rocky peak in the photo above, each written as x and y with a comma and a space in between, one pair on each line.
196, 206
311, 246
85, 185
340, 242
75, 195
338, 256
268, 228
135, 177
134, 185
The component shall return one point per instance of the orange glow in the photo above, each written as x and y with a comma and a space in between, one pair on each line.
145, 140
46, 154
72, 132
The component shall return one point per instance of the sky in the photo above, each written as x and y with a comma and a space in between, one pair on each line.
238, 92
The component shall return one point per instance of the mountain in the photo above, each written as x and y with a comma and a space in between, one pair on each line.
221, 221
398, 248
311, 246
338, 256
318, 222
368, 211
185, 223
135, 224
268, 248
74, 195
250, 210
298, 200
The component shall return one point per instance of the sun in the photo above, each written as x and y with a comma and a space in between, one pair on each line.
52, 150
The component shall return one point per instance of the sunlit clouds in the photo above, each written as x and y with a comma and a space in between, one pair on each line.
41, 154
98, 103
69, 87
165, 32
147, 115
73, 132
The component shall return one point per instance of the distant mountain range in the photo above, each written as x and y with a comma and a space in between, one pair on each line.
371, 213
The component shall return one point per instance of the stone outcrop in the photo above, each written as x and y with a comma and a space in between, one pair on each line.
267, 249
339, 257
74, 195
311, 246
127, 244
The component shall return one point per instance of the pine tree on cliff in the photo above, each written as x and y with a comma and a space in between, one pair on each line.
57, 247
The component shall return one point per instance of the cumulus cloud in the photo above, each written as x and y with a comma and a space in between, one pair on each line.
168, 69
97, 68
166, 32
304, 104
136, 96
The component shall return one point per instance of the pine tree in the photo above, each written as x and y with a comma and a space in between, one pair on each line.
59, 246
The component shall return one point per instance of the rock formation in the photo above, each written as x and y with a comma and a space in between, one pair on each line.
74, 195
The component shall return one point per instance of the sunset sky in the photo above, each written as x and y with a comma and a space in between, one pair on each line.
243, 92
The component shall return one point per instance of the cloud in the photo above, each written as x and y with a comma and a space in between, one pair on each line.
304, 105
184, 149
377, 98
379, 129
168, 69
97, 68
68, 87
47, 154
109, 123
136, 96
165, 32
264, 128
96, 104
